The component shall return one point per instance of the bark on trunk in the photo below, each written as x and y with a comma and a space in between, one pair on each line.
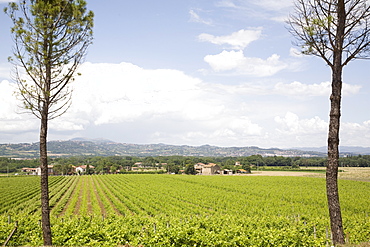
333, 136
332, 166
45, 210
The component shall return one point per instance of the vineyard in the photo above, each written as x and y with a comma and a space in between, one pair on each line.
180, 210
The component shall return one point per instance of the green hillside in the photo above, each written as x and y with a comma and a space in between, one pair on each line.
107, 148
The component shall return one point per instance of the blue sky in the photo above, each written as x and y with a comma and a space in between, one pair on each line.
194, 72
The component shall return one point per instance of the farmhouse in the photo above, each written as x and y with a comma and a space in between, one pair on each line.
198, 167
50, 170
82, 169
227, 172
207, 169
138, 164
37, 171
29, 171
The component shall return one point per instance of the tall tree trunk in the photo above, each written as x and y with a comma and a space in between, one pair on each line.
45, 210
333, 136
333, 159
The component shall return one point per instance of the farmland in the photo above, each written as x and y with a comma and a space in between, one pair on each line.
162, 210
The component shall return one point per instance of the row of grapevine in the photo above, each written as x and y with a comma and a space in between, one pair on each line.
166, 231
164, 210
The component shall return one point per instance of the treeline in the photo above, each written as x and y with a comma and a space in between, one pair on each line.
14, 165
174, 164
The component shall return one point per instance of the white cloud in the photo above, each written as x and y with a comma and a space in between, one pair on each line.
258, 9
111, 93
313, 131
11, 118
323, 89
5, 69
270, 5
290, 124
292, 131
226, 60
224, 131
274, 5
118, 93
237, 40
8, 106
226, 4
171, 107
355, 134
348, 89
294, 89
194, 17
245, 126
165, 103
235, 60
299, 89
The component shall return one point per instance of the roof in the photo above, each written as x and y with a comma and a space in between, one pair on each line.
85, 166
200, 164
210, 165
30, 169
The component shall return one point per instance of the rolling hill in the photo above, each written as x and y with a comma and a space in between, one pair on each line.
103, 147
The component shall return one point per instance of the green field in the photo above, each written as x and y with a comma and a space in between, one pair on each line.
181, 210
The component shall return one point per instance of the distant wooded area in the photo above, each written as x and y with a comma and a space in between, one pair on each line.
176, 163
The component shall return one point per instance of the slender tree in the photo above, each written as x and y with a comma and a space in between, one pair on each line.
51, 38
338, 31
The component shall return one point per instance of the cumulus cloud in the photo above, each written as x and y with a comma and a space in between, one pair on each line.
313, 131
129, 103
294, 131
223, 131
237, 40
11, 118
348, 89
290, 124
114, 93
355, 134
159, 99
164, 104
236, 61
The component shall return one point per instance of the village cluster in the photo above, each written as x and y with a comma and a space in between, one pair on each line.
200, 169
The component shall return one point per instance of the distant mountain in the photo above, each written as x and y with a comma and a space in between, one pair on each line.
355, 150
103, 147
344, 150
96, 140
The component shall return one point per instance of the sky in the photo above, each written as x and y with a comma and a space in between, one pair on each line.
195, 72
